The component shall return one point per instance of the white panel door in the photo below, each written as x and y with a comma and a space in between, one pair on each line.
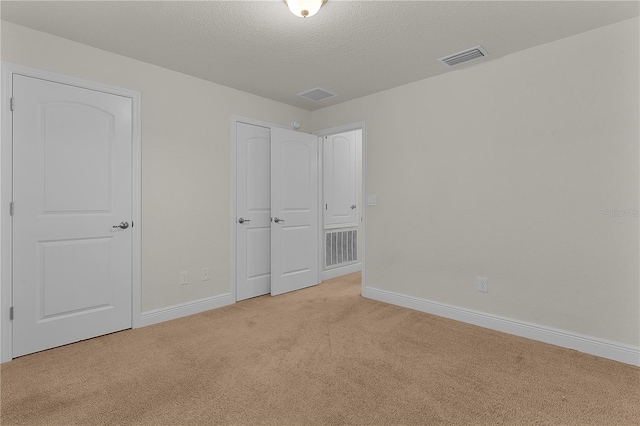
294, 207
253, 195
340, 180
72, 188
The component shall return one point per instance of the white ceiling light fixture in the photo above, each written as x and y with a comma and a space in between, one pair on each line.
304, 8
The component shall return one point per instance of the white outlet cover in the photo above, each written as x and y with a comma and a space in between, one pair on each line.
483, 284
372, 200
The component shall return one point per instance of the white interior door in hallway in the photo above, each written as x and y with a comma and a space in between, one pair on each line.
340, 169
72, 249
276, 177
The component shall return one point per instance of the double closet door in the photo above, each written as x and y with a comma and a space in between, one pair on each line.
277, 210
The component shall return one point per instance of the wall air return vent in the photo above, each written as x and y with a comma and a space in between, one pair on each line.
317, 94
470, 55
341, 247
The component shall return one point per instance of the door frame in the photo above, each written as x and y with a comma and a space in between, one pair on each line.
6, 193
360, 125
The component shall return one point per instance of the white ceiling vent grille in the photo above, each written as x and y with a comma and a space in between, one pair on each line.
464, 57
317, 94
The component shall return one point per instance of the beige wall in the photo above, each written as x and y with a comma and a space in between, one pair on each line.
186, 167
503, 169
506, 170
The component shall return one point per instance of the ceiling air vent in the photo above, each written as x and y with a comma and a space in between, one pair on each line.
317, 94
466, 56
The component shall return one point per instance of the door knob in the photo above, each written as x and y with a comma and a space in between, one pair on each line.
123, 225
278, 220
241, 220
353, 206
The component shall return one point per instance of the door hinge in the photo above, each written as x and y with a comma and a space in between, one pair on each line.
12, 208
11, 313
11, 103
326, 206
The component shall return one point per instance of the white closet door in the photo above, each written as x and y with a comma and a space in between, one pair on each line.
253, 195
340, 180
294, 207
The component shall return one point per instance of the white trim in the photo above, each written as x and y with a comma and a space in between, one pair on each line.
239, 119
320, 220
136, 210
6, 183
363, 195
180, 310
340, 129
566, 339
340, 271
6, 237
233, 210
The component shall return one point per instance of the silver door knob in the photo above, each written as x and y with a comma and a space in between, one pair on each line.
278, 220
123, 225
353, 206
241, 220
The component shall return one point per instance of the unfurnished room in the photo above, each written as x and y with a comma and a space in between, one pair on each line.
320, 212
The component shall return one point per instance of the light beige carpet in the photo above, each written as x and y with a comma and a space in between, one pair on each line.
323, 355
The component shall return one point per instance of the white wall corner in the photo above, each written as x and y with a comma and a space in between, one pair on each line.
184, 309
611, 350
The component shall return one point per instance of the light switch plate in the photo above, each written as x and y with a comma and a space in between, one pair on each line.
184, 277
372, 200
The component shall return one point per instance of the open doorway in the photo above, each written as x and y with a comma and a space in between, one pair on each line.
342, 206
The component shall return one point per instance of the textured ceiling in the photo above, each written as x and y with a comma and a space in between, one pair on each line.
351, 48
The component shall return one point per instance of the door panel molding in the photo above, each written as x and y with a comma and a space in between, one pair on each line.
6, 195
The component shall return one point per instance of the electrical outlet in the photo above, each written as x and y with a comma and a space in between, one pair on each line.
184, 277
205, 274
483, 284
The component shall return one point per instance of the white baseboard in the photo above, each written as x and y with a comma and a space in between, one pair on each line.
586, 344
343, 270
184, 309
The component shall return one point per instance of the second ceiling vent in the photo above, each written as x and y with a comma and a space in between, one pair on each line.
317, 94
470, 55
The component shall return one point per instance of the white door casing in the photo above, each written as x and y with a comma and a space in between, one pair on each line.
340, 164
294, 208
253, 201
72, 178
